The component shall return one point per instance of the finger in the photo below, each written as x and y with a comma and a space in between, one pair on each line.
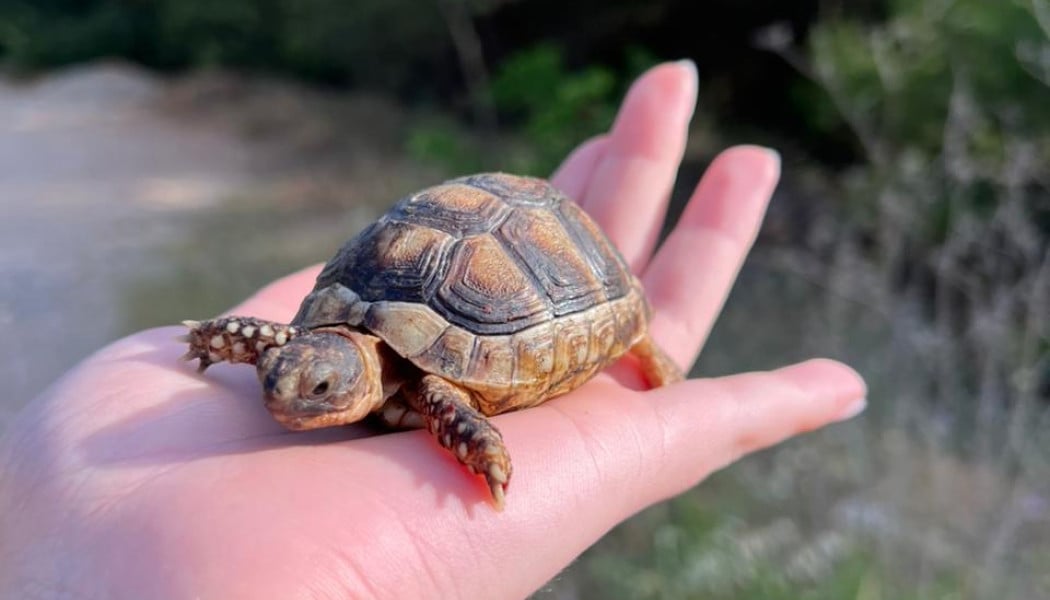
690, 277
574, 175
709, 424
632, 182
280, 300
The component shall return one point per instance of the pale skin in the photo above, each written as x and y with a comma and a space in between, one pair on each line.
135, 477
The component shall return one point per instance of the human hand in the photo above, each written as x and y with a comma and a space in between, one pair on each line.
133, 477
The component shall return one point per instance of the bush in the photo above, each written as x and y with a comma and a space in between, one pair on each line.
372, 43
956, 86
547, 110
948, 102
556, 108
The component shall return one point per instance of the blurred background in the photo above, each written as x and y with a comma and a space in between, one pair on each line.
162, 159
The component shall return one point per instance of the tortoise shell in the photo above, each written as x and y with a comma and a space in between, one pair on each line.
497, 282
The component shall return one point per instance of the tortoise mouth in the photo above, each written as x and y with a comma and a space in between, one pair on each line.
287, 421
300, 420
280, 408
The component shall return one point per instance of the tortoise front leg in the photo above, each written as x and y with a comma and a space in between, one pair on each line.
448, 412
233, 339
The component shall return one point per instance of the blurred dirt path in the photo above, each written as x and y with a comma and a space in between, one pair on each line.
84, 164
110, 177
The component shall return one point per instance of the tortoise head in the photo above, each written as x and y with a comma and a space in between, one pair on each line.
321, 379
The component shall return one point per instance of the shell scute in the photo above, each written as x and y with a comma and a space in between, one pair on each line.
514, 190
534, 349
456, 209
487, 292
493, 362
392, 261
418, 327
450, 354
604, 259
543, 247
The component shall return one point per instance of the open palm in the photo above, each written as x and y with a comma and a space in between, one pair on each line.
134, 477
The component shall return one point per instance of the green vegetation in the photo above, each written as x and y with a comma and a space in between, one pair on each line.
550, 109
377, 43
555, 108
956, 87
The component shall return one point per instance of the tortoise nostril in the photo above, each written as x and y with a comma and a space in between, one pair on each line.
270, 382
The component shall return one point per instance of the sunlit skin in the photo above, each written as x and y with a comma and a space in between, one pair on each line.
134, 477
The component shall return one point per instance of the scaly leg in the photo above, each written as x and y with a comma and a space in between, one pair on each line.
450, 415
234, 339
397, 414
659, 369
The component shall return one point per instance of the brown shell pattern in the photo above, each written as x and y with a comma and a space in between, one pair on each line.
481, 277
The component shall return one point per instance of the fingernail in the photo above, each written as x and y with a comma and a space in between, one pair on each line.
689, 64
694, 83
773, 154
853, 409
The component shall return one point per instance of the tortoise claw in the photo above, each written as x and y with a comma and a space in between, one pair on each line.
191, 338
498, 494
191, 354
195, 350
497, 480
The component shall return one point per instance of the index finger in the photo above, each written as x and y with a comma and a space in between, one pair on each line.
279, 300
631, 183
691, 275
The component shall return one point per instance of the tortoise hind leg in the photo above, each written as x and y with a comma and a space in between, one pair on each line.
659, 368
449, 413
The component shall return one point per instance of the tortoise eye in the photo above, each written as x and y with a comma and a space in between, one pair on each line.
318, 381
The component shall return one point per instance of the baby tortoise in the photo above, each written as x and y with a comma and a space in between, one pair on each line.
486, 294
